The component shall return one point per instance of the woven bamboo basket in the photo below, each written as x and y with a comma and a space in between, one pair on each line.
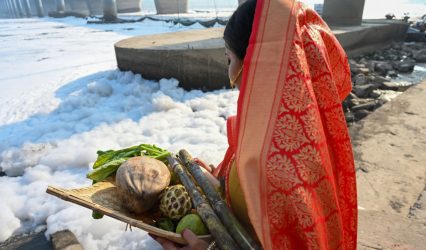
103, 197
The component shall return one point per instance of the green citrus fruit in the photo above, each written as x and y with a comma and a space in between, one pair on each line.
192, 222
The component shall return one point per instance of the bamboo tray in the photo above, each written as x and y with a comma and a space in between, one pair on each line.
103, 197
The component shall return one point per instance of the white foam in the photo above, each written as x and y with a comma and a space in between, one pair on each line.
54, 120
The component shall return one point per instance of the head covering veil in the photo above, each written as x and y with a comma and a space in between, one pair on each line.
238, 29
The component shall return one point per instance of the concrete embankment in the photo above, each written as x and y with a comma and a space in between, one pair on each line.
390, 155
196, 58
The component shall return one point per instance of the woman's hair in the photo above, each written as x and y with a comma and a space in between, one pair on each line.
238, 30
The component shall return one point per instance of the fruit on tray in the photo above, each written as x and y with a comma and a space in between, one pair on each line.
175, 202
140, 181
192, 222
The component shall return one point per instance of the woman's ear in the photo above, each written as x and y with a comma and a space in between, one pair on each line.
234, 68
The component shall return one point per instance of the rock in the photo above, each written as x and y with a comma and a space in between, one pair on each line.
350, 117
379, 79
363, 90
392, 73
383, 68
364, 70
361, 114
414, 35
391, 86
360, 79
375, 94
420, 56
397, 46
357, 68
406, 66
351, 96
372, 105
353, 66
363, 61
371, 65
346, 104
358, 101
65, 240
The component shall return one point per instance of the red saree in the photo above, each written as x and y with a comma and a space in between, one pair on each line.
289, 138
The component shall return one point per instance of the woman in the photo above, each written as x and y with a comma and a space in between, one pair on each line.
289, 169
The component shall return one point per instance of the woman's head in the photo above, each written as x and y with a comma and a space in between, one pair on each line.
237, 34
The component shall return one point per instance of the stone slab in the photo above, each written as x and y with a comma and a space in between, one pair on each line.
390, 154
196, 58
377, 231
344, 12
65, 240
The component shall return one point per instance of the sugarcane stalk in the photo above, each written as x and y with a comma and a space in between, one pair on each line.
210, 219
237, 231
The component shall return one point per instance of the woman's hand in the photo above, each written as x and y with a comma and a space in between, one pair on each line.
193, 242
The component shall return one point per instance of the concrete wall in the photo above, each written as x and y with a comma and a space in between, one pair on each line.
16, 8
196, 58
343, 12
171, 6
48, 6
26, 7
29, 8
33, 8
79, 6
373, 35
126, 6
95, 7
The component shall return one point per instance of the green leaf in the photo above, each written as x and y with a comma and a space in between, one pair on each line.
102, 172
108, 161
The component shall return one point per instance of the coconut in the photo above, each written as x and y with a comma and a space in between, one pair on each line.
140, 181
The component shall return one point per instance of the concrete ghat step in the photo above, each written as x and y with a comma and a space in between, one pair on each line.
389, 147
196, 58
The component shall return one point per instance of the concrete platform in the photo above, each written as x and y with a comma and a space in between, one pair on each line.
197, 60
390, 155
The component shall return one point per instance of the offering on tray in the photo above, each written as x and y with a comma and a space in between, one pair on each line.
136, 186
146, 187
